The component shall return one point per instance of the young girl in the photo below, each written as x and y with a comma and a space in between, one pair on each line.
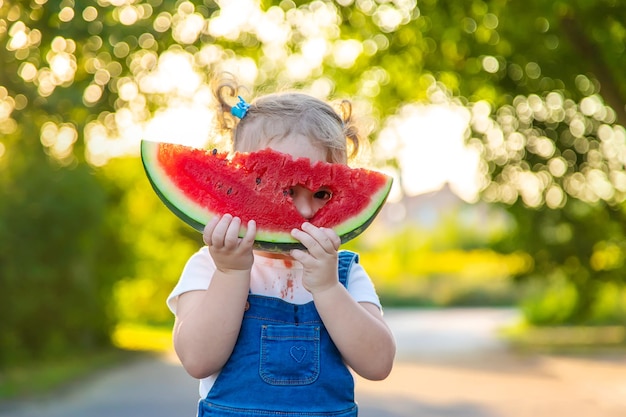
274, 334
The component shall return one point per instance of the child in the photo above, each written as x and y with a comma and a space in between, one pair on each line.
274, 334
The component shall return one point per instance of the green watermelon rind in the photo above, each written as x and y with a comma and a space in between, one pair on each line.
197, 216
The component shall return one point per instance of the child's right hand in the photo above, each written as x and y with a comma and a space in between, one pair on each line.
229, 251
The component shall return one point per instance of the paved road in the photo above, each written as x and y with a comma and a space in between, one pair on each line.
449, 364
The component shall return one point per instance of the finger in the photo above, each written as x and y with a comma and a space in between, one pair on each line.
219, 233
248, 239
208, 230
309, 242
231, 237
334, 238
321, 236
299, 255
304, 238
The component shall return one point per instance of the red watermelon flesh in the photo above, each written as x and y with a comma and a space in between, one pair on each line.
198, 184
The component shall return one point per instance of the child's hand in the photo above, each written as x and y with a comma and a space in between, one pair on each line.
320, 262
228, 250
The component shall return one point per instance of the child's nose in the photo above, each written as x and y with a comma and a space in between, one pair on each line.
304, 206
304, 202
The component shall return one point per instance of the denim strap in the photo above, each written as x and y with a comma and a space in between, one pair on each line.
346, 260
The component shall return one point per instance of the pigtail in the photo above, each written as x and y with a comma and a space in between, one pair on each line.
226, 90
350, 129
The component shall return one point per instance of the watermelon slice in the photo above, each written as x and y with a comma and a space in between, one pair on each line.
198, 184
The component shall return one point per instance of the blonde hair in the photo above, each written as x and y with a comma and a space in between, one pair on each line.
273, 117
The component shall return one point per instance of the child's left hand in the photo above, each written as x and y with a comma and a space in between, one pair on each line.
320, 261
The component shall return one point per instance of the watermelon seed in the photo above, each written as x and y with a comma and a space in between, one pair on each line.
230, 190
214, 151
258, 181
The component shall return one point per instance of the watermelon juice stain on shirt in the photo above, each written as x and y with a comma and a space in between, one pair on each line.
280, 278
287, 291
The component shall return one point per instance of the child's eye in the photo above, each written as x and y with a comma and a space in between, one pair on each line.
323, 195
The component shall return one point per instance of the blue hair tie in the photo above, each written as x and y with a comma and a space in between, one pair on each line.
240, 109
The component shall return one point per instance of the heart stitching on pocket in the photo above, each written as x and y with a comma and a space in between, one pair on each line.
297, 353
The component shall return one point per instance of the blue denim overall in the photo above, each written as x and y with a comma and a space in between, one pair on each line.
284, 364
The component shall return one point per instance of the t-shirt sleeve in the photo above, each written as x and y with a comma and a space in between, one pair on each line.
196, 275
361, 287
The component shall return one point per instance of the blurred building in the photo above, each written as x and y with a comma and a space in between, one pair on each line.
428, 210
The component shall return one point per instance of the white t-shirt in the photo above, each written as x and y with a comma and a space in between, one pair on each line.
269, 277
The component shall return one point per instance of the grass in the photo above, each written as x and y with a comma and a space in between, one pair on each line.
563, 339
39, 378
36, 379
142, 337
448, 291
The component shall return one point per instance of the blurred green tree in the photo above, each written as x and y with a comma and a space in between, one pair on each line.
59, 256
63, 241
543, 82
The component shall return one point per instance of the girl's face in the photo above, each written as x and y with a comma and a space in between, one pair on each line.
307, 202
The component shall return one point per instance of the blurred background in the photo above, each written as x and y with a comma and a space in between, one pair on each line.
501, 121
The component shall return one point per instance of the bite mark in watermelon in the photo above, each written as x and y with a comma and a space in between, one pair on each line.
198, 184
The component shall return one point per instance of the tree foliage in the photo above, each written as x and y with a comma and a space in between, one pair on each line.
543, 82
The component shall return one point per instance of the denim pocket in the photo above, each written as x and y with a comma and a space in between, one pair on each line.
290, 355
